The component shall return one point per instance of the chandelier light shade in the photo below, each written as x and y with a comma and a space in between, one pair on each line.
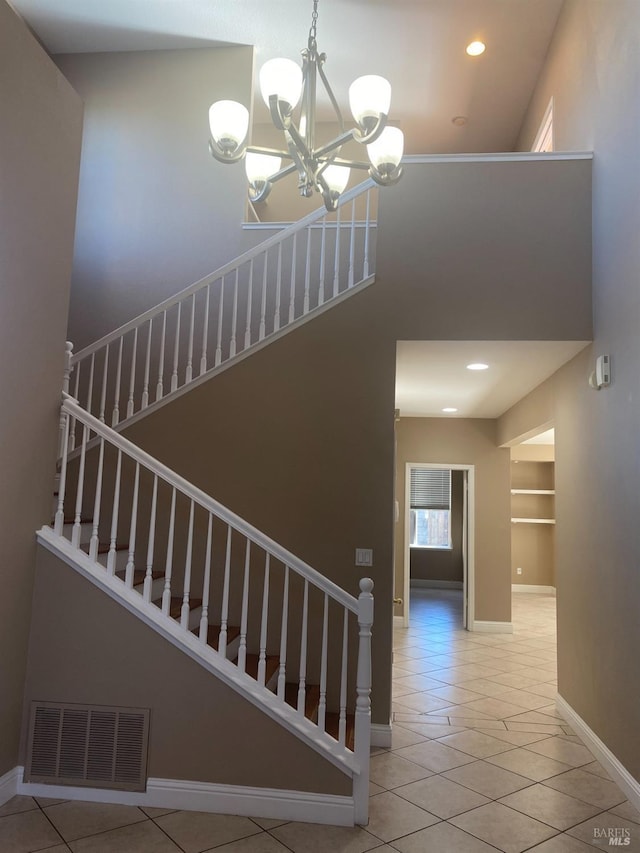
284, 85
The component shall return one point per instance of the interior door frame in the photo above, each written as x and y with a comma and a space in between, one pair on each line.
468, 527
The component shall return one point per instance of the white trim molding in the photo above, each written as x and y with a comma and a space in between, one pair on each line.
527, 587
381, 735
614, 767
9, 784
503, 157
491, 627
209, 797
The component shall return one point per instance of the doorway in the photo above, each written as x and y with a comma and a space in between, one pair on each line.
467, 473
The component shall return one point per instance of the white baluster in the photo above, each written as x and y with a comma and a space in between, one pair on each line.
262, 658
77, 525
302, 681
307, 275
234, 317
166, 593
242, 650
163, 337
94, 541
276, 313
352, 245
58, 525
148, 574
147, 368
72, 425
224, 613
204, 619
292, 291
323, 243
342, 719
111, 556
282, 670
103, 393
218, 357
115, 416
363, 702
263, 302
188, 375
367, 225
66, 377
184, 612
92, 364
336, 266
247, 331
322, 706
205, 332
132, 377
176, 350
128, 579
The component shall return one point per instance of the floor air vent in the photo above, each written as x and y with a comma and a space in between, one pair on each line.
88, 745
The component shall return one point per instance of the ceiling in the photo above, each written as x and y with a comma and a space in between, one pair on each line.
419, 45
431, 375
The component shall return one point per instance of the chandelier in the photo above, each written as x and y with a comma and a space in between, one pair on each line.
284, 85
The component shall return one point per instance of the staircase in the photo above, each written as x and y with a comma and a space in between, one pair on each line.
265, 623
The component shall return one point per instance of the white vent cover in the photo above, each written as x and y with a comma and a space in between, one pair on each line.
88, 745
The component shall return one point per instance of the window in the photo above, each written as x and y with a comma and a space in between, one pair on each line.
430, 508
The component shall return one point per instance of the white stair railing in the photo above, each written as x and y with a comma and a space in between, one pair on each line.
297, 641
280, 282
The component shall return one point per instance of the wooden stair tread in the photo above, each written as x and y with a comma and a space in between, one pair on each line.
104, 547
312, 698
175, 608
272, 663
332, 723
213, 634
139, 575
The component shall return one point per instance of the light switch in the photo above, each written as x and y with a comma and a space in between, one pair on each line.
364, 557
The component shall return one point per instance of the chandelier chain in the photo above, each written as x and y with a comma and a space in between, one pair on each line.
314, 24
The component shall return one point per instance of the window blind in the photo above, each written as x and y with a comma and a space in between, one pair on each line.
430, 488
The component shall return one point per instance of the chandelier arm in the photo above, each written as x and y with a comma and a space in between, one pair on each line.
225, 156
280, 112
331, 146
370, 134
275, 152
329, 92
388, 179
351, 164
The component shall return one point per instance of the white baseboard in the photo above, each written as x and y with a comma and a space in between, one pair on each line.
217, 799
381, 735
421, 583
491, 627
9, 784
399, 622
613, 766
528, 587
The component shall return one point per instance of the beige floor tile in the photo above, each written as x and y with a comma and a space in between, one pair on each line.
533, 727
465, 672
517, 738
263, 843
391, 817
401, 737
552, 807
422, 702
419, 682
441, 838
562, 844
529, 764
435, 756
539, 717
390, 770
77, 819
373, 790
441, 796
455, 695
430, 730
506, 829
18, 804
136, 838
494, 707
486, 687
524, 699
515, 680
547, 690
461, 712
26, 831
43, 802
487, 779
563, 750
196, 831
626, 810
398, 691
418, 665
588, 787
271, 823
153, 811
476, 743
599, 830
59, 848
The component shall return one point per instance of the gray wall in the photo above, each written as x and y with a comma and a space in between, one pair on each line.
40, 134
201, 730
155, 211
593, 72
446, 564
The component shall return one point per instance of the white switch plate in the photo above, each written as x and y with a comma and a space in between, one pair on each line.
364, 557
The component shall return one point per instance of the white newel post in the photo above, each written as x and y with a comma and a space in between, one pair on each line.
363, 703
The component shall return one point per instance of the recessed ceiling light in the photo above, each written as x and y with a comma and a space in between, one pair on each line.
449, 409
475, 48
478, 365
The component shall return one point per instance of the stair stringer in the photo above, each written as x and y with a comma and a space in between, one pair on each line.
206, 657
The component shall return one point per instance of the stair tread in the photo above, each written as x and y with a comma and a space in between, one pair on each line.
175, 608
312, 698
104, 547
139, 575
272, 663
213, 633
332, 724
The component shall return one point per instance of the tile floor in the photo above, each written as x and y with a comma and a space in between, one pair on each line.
481, 762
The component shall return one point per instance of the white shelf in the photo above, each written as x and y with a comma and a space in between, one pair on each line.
533, 491
533, 520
